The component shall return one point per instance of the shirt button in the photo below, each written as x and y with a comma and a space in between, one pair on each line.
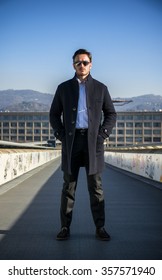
70, 133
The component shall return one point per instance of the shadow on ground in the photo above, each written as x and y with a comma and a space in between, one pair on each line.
133, 219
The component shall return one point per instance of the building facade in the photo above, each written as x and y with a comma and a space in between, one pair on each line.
25, 126
131, 128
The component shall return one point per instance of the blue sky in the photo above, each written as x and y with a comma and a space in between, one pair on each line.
38, 39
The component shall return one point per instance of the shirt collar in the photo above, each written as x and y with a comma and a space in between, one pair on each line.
83, 82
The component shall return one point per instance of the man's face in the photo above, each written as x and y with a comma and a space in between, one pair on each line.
82, 65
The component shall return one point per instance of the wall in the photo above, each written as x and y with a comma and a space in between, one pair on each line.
14, 163
147, 165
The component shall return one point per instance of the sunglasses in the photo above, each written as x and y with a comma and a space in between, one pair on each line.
78, 63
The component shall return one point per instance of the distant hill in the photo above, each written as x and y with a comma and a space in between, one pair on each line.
24, 100
34, 101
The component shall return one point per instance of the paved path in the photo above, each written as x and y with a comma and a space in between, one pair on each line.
29, 219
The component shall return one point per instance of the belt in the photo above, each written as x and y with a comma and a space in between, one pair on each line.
82, 131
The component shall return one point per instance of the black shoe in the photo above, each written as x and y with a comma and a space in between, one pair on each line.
102, 234
63, 234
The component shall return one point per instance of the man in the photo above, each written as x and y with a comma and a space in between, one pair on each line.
82, 116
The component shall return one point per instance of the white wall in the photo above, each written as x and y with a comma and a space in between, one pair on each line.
14, 163
147, 165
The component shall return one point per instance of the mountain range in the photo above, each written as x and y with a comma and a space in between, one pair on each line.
35, 101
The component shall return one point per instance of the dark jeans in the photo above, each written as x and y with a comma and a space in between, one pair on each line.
80, 158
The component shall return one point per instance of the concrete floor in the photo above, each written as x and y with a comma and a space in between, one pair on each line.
29, 219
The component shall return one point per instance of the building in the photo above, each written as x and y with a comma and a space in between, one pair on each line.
25, 126
131, 128
134, 128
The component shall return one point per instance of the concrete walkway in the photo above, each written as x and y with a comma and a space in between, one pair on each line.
29, 219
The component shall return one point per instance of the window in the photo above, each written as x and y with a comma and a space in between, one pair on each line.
37, 138
45, 118
6, 138
120, 139
129, 117
138, 131
29, 138
5, 131
29, 118
148, 131
157, 117
29, 124
147, 139
138, 117
137, 124
13, 124
129, 131
29, 131
129, 139
22, 138
44, 138
21, 124
129, 124
21, 118
156, 139
138, 139
21, 131
45, 124
5, 124
147, 124
112, 139
120, 131
37, 124
120, 117
45, 131
37, 118
147, 117
119, 124
14, 138
13, 131
37, 131
6, 117
157, 131
156, 124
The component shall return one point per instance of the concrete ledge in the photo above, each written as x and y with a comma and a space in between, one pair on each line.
142, 164
16, 162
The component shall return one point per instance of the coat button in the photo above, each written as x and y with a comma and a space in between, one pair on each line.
70, 133
74, 108
73, 122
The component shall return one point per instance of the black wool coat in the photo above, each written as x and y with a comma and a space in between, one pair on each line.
101, 120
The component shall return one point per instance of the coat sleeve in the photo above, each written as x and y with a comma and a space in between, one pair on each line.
55, 115
109, 115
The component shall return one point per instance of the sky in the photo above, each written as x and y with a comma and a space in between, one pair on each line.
39, 37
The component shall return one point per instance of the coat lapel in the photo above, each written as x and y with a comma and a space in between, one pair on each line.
75, 92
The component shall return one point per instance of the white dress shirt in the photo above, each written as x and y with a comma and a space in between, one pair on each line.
82, 114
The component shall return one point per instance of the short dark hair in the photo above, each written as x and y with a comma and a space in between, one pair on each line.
83, 51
